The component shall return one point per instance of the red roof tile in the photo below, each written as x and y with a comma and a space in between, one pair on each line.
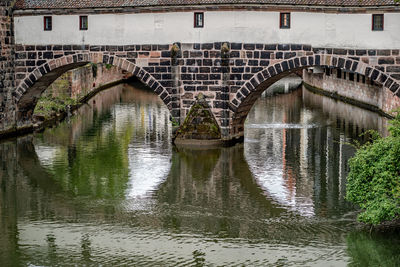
50, 4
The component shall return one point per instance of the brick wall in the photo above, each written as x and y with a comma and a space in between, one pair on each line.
7, 83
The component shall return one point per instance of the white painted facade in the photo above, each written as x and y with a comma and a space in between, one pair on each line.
317, 29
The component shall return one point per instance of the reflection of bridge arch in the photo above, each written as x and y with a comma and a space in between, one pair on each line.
36, 82
247, 95
219, 181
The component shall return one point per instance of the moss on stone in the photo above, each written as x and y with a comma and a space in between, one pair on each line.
199, 123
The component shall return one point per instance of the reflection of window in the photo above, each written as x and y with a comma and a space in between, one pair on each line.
285, 20
48, 23
377, 22
339, 74
83, 23
199, 20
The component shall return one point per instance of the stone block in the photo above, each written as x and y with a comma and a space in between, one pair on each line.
256, 69
338, 51
384, 52
385, 60
278, 68
295, 47
48, 55
196, 54
361, 52
253, 63
284, 47
392, 68
288, 55
271, 71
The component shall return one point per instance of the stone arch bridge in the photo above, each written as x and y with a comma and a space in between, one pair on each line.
231, 76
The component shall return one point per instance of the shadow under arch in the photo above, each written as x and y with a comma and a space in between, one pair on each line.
36, 82
247, 95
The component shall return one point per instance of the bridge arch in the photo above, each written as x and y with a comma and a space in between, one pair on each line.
247, 95
36, 82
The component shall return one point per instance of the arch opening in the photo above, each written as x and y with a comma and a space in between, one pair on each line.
36, 82
248, 94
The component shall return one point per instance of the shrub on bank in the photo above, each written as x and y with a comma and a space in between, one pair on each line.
49, 106
374, 178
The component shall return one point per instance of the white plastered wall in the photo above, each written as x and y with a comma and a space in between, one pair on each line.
317, 29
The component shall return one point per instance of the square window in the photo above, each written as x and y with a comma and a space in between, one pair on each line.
48, 24
199, 20
83, 23
377, 22
284, 21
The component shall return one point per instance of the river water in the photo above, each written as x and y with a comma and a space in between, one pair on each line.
106, 187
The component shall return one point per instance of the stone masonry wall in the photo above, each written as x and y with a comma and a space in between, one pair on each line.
230, 75
7, 83
79, 82
354, 87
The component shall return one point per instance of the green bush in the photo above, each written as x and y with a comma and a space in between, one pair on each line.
374, 178
47, 106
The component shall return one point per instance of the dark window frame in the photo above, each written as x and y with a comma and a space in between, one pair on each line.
197, 23
282, 20
46, 26
374, 25
81, 28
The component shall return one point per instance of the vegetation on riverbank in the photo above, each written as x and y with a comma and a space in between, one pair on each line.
48, 106
374, 178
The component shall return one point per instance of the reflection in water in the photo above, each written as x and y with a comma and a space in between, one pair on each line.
108, 188
374, 250
298, 154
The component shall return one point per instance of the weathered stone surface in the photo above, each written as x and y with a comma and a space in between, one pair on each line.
199, 123
7, 67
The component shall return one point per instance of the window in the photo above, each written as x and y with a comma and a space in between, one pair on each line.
48, 25
377, 22
284, 21
83, 23
199, 20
